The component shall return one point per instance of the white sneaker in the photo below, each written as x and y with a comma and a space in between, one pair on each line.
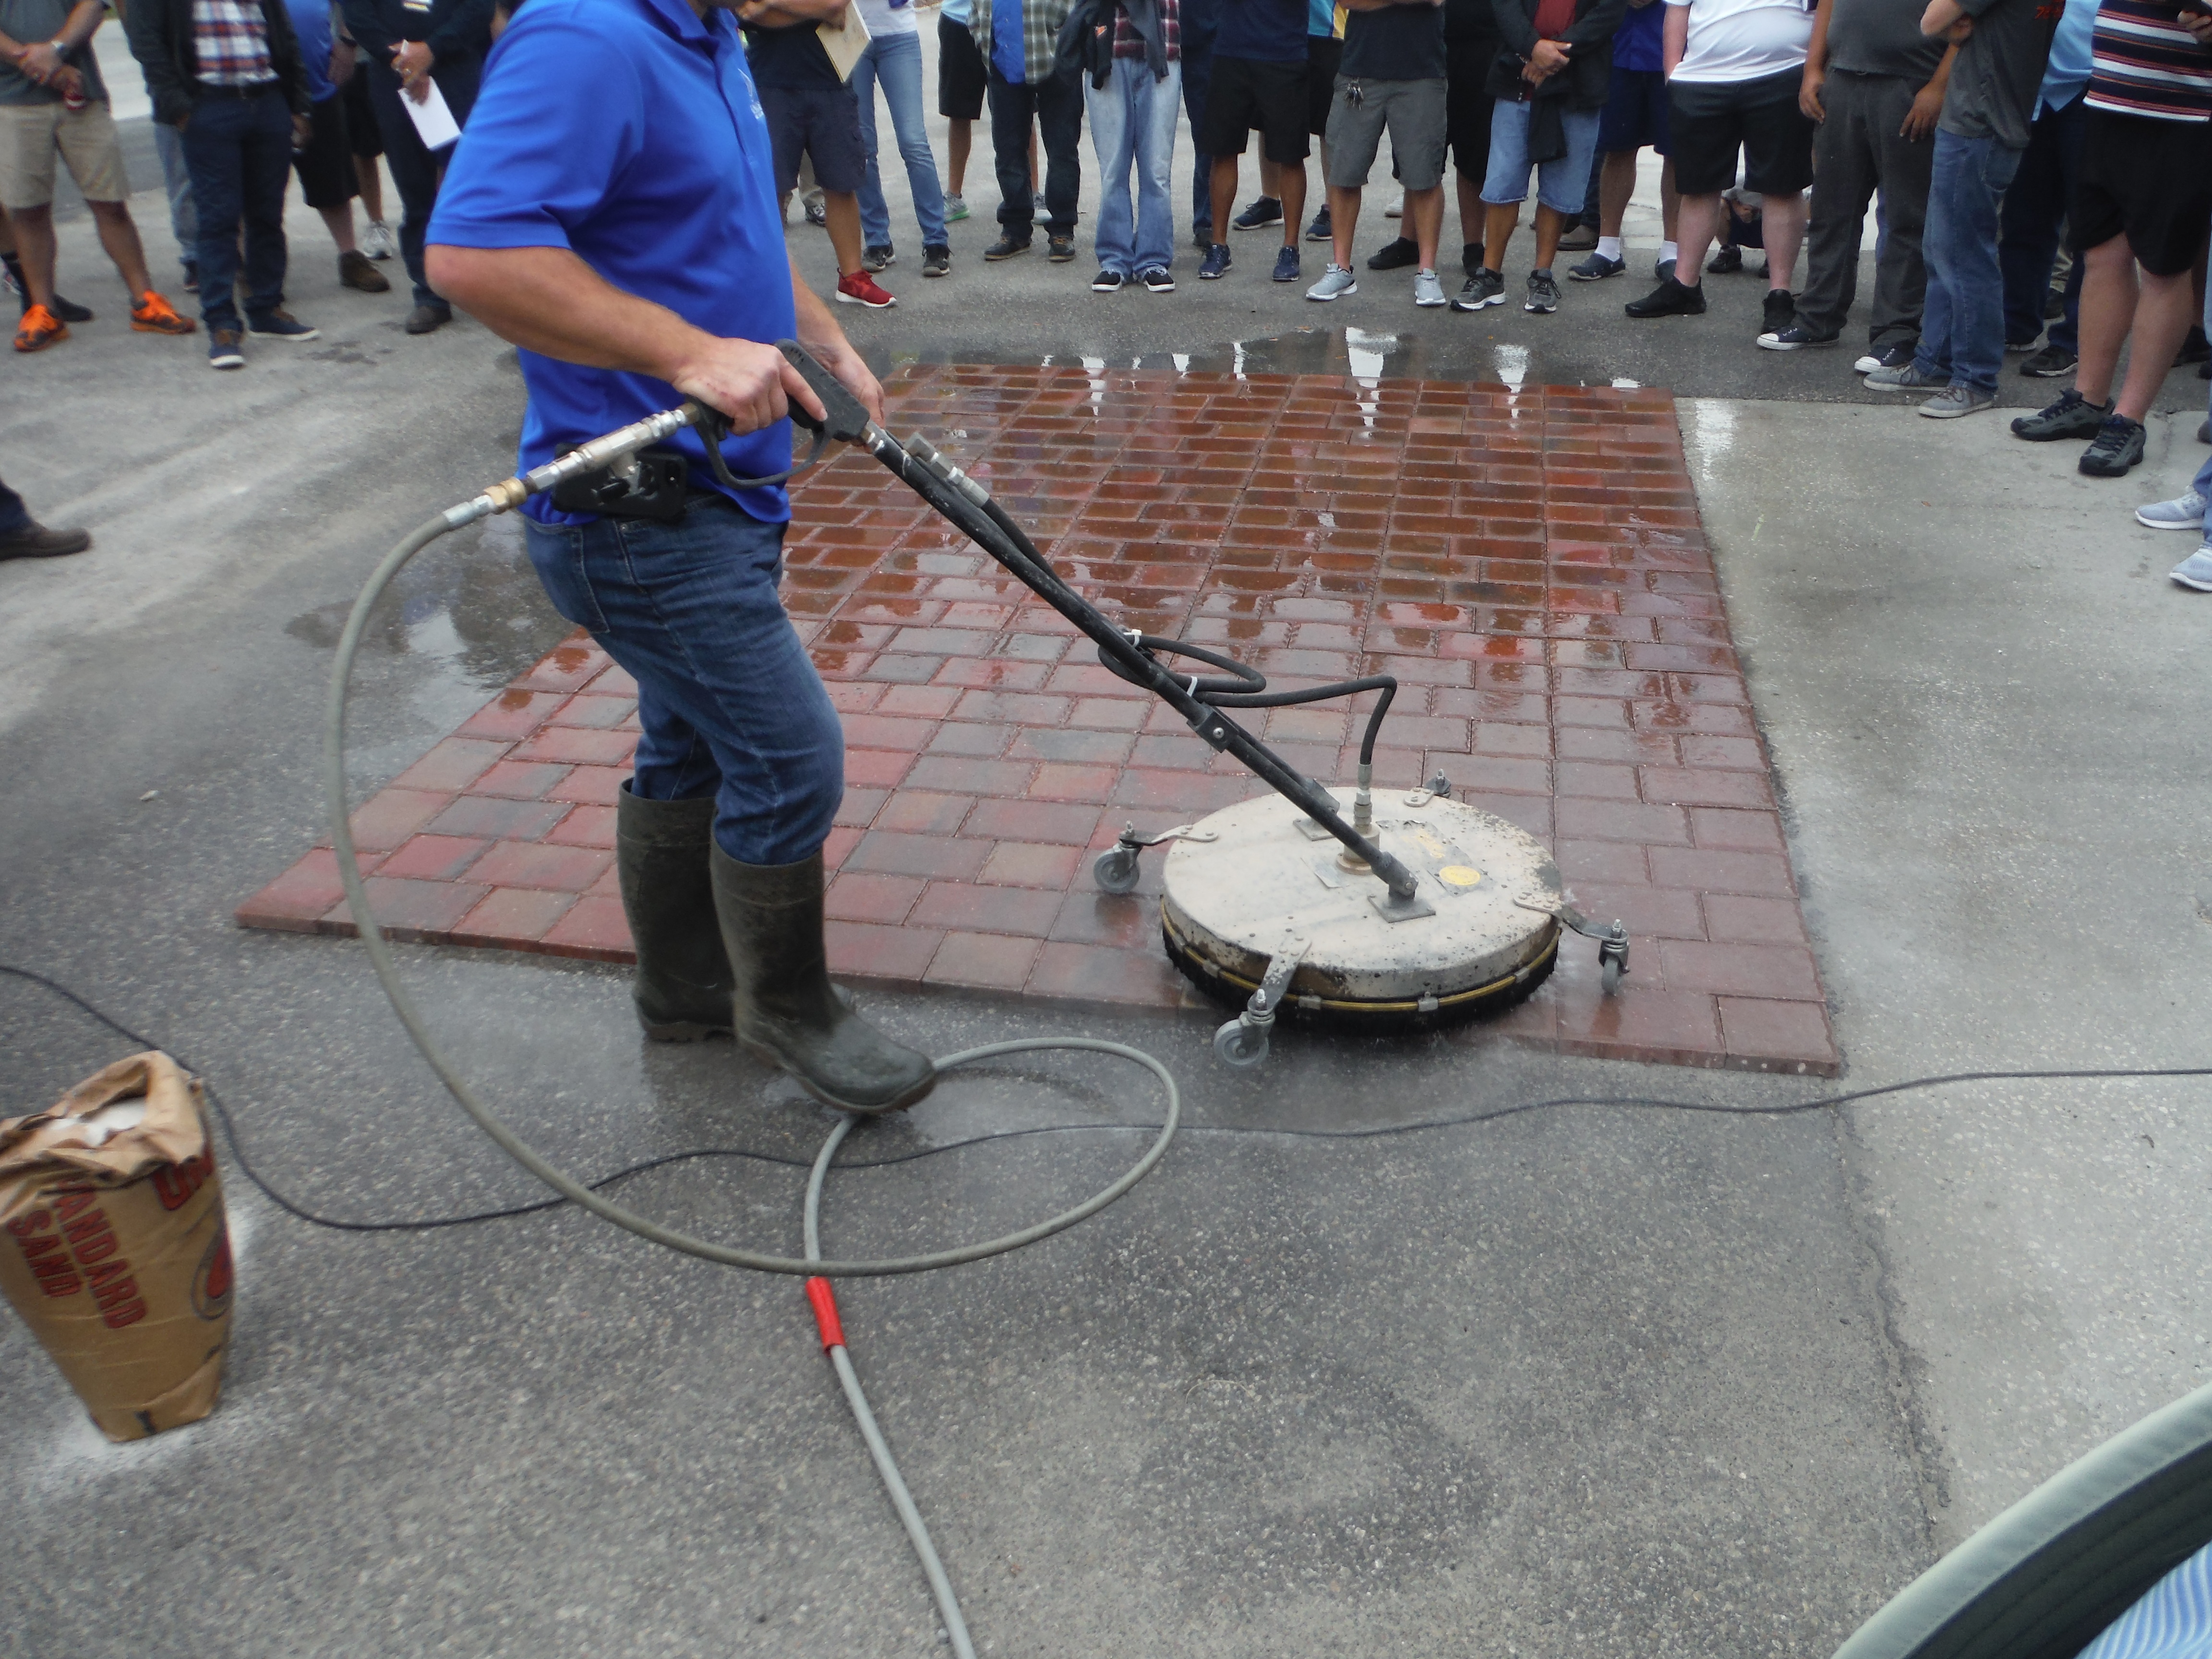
378, 241
1337, 282
2196, 570
1397, 208
1427, 289
2185, 512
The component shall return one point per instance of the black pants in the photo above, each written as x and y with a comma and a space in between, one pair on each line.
415, 170
2027, 228
1857, 150
1056, 105
1196, 55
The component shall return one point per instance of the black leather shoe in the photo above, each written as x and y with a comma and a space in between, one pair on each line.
428, 320
35, 541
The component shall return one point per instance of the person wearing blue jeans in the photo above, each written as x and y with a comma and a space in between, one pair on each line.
1133, 106
239, 151
893, 61
2191, 510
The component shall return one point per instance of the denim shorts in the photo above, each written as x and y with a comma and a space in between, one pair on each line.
1562, 184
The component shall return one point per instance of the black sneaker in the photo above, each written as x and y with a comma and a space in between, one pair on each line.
1796, 338
1216, 263
2117, 447
1107, 282
1394, 256
1157, 279
877, 257
2051, 364
1485, 288
936, 260
1726, 263
2195, 348
1264, 211
1060, 249
1543, 293
69, 312
1669, 299
1320, 230
1595, 269
2072, 416
1007, 247
1781, 310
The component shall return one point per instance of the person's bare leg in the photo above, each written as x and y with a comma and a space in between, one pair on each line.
963, 136
2108, 310
1343, 220
1424, 212
1290, 190
339, 221
119, 236
7, 233
1224, 193
1472, 213
1616, 188
1551, 225
2163, 313
1670, 201
1782, 230
1695, 223
1499, 221
368, 173
34, 246
841, 209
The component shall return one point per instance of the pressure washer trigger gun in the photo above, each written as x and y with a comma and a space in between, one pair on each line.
848, 422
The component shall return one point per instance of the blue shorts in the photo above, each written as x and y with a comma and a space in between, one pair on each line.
823, 123
1561, 185
1635, 113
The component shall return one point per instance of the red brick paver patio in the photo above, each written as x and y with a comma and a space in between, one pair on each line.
1529, 563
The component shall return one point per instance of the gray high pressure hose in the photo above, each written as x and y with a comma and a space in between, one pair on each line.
500, 498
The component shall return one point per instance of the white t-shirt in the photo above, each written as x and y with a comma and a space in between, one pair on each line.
883, 18
1733, 40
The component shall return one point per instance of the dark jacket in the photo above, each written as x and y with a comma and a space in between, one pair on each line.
1589, 72
452, 29
1085, 44
160, 36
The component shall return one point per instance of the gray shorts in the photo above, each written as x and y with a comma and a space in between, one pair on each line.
1414, 110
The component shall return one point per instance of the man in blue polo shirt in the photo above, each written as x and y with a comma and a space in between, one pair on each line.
629, 244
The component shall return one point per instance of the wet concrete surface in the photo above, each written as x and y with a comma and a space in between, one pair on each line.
1580, 1380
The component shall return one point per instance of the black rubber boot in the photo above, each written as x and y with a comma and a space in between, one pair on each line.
787, 1013
683, 983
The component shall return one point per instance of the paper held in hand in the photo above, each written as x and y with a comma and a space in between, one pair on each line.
434, 121
845, 40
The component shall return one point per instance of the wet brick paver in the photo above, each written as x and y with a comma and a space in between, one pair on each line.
1529, 563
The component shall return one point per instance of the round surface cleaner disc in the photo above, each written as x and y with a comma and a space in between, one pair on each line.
1260, 879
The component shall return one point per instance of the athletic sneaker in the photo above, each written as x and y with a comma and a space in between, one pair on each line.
1335, 282
1320, 230
1259, 214
956, 209
1905, 377
1781, 310
1215, 265
281, 325
2185, 512
1726, 263
39, 328
936, 260
1107, 282
1006, 247
1485, 288
1059, 249
1396, 255
817, 210
2072, 416
860, 289
2196, 570
1669, 299
877, 257
1428, 290
1796, 338
1595, 269
154, 315
1895, 354
2051, 364
1956, 400
1157, 279
1397, 208
376, 241
222, 349
1287, 264
1543, 293
2117, 447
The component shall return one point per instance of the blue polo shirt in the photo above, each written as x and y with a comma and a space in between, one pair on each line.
629, 132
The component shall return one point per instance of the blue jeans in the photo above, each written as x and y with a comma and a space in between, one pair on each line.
1962, 328
1132, 120
176, 180
894, 62
13, 515
728, 703
239, 153
1562, 184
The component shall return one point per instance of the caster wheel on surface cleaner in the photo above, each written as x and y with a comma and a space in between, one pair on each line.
1240, 1045
1115, 870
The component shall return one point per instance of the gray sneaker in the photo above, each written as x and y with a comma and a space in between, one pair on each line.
1485, 288
1956, 400
1543, 293
1428, 290
2196, 570
1905, 377
2185, 512
956, 209
1335, 282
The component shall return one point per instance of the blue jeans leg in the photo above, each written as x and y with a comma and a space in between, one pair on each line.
13, 515
727, 702
898, 72
176, 180
1962, 328
240, 153
1114, 140
1153, 106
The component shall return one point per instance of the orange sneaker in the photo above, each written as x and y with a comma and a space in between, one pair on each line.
39, 328
154, 315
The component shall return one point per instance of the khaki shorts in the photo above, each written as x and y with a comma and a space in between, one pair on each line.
33, 135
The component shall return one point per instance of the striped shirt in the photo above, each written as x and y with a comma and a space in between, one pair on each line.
2142, 62
2172, 1621
230, 44
1127, 43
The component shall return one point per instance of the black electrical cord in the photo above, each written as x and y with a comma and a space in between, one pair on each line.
1382, 1132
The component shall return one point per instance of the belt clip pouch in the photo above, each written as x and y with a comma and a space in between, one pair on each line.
654, 483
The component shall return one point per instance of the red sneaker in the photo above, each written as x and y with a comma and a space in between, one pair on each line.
860, 289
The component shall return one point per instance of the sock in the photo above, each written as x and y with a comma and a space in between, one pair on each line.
1608, 247
1668, 251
